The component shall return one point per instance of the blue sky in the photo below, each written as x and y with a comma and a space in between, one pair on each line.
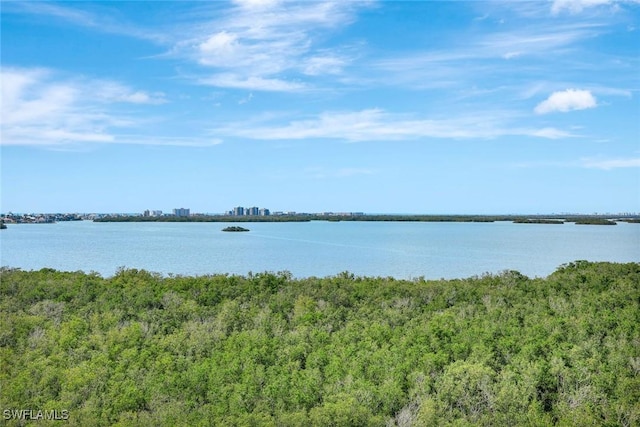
381, 107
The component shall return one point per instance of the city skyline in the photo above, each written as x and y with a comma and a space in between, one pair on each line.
468, 107
269, 212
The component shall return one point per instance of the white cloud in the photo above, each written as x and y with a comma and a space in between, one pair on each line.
324, 64
143, 98
576, 6
378, 125
487, 58
257, 4
537, 41
25, 100
40, 107
541, 40
102, 21
567, 100
251, 83
612, 91
219, 49
608, 164
180, 141
262, 45
552, 133
510, 55
246, 99
110, 91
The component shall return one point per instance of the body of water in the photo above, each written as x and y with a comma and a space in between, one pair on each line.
318, 248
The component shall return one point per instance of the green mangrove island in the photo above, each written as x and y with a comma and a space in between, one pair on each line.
235, 229
538, 221
141, 349
594, 221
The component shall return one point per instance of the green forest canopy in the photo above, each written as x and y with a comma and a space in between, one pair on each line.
266, 349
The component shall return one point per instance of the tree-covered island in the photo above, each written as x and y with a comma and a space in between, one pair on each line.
594, 221
538, 221
235, 229
140, 349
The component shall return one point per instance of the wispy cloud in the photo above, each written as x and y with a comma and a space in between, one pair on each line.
487, 57
269, 45
110, 91
605, 164
544, 40
608, 164
346, 172
99, 21
235, 81
38, 111
378, 125
550, 133
41, 107
577, 6
567, 100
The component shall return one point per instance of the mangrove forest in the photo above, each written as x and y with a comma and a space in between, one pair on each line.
267, 349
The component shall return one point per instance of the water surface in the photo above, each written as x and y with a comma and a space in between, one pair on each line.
318, 248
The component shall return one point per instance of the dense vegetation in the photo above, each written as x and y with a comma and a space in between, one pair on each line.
538, 221
235, 228
594, 221
266, 349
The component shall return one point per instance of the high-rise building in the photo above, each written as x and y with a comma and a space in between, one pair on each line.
253, 211
181, 212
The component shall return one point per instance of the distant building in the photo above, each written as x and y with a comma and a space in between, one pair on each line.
253, 211
146, 213
156, 213
181, 212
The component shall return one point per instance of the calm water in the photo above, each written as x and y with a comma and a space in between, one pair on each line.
399, 249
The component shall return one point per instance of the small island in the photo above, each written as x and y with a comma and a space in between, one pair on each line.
594, 221
538, 221
235, 228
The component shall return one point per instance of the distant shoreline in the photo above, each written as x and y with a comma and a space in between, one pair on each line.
520, 219
593, 219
